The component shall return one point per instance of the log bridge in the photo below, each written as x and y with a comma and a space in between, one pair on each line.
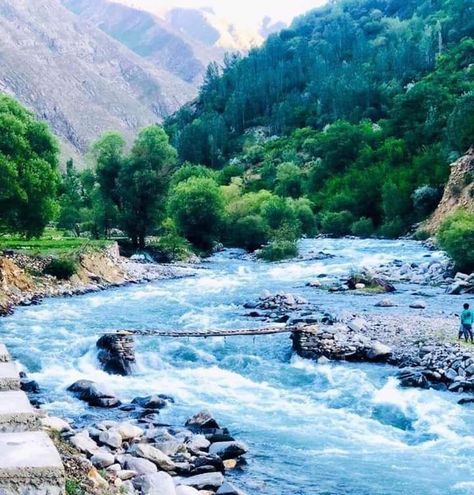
210, 333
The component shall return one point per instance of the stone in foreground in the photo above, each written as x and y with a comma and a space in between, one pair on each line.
30, 465
4, 354
9, 377
16, 413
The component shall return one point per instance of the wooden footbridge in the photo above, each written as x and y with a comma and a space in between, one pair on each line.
206, 334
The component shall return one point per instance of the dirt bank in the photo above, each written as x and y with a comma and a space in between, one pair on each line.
23, 281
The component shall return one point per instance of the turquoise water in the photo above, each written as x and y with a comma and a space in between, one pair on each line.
312, 428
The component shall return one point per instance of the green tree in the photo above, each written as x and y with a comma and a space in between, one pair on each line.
143, 181
70, 200
289, 180
29, 175
197, 208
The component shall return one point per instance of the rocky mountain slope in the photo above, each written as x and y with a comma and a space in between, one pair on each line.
78, 79
182, 41
459, 192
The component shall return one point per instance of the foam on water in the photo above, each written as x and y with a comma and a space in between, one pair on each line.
313, 428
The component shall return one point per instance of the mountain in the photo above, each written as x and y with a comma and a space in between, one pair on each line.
182, 41
358, 107
77, 78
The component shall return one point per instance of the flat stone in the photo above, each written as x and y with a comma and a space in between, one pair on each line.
228, 450
9, 377
147, 451
28, 460
55, 424
186, 490
229, 489
128, 431
111, 438
155, 484
16, 413
202, 481
102, 459
4, 354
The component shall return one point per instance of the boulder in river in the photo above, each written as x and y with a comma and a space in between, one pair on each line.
117, 353
202, 421
228, 450
94, 394
150, 402
229, 489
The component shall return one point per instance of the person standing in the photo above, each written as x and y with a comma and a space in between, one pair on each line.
467, 320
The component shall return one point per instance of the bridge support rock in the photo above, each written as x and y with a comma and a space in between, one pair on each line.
117, 353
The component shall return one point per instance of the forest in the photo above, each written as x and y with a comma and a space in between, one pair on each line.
344, 124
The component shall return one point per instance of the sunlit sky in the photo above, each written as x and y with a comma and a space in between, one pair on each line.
245, 12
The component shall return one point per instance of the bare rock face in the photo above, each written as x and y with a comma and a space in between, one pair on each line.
77, 78
459, 192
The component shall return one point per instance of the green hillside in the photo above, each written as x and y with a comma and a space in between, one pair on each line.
359, 107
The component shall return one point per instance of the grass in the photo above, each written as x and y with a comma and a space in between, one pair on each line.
52, 243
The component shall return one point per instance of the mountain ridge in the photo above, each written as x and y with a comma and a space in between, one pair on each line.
77, 78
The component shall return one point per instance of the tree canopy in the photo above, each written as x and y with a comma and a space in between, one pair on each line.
28, 171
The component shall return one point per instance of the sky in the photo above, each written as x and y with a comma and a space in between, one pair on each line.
243, 12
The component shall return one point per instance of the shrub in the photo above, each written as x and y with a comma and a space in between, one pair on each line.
277, 212
422, 235
229, 172
250, 232
172, 247
304, 213
364, 227
61, 268
197, 208
279, 250
426, 199
337, 223
456, 237
289, 180
188, 170
393, 228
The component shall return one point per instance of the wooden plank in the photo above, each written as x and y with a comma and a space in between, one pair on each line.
211, 333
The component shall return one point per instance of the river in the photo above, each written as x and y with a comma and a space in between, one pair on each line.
312, 428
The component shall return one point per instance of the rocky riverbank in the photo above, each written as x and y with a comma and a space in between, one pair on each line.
142, 456
421, 343
23, 280
424, 348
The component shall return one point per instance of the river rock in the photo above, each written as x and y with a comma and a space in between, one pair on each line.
378, 351
55, 424
357, 324
385, 303
128, 431
117, 353
93, 394
139, 465
155, 484
102, 459
229, 489
228, 450
199, 442
111, 438
202, 421
147, 451
203, 481
84, 443
150, 402
419, 304
186, 490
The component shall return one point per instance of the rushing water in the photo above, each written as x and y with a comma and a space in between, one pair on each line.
312, 428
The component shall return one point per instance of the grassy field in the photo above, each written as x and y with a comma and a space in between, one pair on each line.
51, 243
